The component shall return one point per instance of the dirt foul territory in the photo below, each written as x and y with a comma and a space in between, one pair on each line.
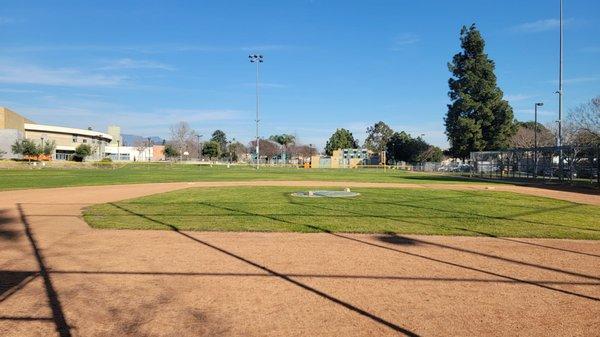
60, 277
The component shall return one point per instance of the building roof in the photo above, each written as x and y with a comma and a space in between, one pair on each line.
64, 130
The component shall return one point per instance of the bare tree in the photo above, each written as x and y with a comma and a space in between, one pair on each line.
268, 148
584, 121
181, 136
525, 136
140, 146
303, 150
582, 125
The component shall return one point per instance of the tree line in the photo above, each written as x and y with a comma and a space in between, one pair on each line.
398, 146
185, 140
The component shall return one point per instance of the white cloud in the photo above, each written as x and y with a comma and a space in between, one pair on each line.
148, 49
531, 112
70, 77
127, 63
575, 80
266, 85
404, 40
517, 97
83, 112
19, 91
198, 115
539, 26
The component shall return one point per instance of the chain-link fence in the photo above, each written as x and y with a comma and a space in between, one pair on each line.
572, 164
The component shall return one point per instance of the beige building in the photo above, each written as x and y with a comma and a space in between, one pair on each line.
12, 120
14, 126
341, 158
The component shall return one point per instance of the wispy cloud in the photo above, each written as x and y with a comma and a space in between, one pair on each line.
575, 80
198, 115
538, 26
266, 85
11, 72
158, 121
149, 49
127, 63
84, 112
19, 91
541, 112
6, 20
517, 97
403, 40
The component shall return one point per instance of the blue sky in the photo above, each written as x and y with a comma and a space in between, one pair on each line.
145, 65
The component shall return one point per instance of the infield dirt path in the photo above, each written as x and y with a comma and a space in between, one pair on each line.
58, 276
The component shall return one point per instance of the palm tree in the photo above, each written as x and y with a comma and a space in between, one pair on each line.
284, 140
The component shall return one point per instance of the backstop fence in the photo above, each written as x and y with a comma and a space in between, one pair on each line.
570, 164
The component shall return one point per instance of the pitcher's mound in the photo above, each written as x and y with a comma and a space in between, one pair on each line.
326, 194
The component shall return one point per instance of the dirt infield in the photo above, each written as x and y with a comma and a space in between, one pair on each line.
58, 276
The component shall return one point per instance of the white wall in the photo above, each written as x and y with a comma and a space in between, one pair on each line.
128, 153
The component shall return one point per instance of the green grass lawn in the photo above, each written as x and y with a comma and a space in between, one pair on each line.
403, 211
159, 172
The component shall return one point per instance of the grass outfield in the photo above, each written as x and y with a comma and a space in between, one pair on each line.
159, 172
403, 211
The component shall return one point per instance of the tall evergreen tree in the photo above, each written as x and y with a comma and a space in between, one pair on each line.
478, 118
220, 138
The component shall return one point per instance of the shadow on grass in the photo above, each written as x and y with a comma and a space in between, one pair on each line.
464, 250
393, 238
434, 177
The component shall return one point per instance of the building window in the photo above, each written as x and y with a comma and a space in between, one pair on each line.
74, 138
84, 140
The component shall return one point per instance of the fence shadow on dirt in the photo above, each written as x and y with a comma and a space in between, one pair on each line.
58, 315
7, 233
304, 286
410, 253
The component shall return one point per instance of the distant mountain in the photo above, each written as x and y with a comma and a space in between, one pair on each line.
130, 140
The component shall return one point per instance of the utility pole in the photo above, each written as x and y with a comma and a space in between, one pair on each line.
560, 92
258, 59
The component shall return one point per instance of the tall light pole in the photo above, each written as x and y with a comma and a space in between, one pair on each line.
560, 90
258, 59
535, 140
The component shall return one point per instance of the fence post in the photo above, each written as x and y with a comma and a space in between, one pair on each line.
598, 165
